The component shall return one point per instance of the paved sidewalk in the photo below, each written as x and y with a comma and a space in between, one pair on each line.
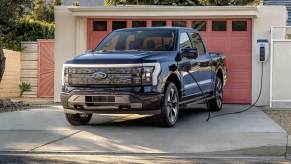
46, 130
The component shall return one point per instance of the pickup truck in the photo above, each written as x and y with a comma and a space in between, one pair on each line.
151, 71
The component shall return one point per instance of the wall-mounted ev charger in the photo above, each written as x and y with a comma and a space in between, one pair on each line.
263, 50
263, 55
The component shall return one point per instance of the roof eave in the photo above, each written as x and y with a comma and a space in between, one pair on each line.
165, 11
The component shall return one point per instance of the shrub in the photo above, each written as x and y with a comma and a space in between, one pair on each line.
27, 30
24, 87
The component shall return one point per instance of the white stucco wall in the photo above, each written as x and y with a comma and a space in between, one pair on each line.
65, 39
281, 90
71, 35
267, 16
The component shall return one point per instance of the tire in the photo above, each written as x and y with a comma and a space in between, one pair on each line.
78, 119
215, 104
170, 106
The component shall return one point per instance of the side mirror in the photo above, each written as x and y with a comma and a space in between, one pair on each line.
190, 53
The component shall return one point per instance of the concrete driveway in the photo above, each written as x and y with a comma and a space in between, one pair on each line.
46, 130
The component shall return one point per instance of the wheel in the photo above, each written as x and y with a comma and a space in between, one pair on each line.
215, 104
78, 119
170, 106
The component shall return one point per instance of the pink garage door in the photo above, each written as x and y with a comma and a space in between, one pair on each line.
233, 37
46, 68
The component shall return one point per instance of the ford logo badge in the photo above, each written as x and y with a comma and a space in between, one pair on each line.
99, 75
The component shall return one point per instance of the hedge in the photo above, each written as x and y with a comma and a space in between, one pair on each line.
27, 30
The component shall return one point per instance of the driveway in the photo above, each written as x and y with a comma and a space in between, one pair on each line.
46, 130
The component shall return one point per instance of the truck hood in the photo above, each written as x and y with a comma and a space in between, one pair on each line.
123, 57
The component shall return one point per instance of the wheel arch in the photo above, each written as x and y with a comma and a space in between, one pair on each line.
174, 78
219, 73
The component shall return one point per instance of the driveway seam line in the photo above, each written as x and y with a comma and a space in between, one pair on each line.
56, 140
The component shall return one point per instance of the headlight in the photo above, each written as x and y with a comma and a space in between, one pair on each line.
147, 75
65, 79
150, 73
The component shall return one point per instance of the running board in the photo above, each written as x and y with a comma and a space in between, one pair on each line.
195, 100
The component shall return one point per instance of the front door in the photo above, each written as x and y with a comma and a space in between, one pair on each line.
204, 74
190, 88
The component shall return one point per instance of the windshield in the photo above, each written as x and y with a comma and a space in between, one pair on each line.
146, 40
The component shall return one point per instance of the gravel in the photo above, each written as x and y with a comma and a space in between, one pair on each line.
7, 105
282, 117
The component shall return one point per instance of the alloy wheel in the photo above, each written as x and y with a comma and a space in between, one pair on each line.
218, 93
172, 105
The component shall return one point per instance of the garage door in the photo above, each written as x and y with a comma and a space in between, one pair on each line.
233, 37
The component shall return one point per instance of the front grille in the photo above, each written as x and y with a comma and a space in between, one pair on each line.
112, 76
100, 99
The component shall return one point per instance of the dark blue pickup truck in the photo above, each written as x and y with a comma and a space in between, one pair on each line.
143, 71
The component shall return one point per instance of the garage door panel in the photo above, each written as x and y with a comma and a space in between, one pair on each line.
236, 84
235, 45
240, 43
238, 80
217, 45
240, 53
235, 64
236, 96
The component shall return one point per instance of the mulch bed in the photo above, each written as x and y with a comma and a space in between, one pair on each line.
281, 117
7, 105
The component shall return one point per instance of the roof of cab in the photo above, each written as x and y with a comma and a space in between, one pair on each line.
157, 28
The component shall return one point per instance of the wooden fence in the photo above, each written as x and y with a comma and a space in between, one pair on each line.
9, 86
29, 66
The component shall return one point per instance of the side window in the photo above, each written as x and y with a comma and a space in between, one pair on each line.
239, 26
99, 25
184, 41
118, 25
139, 24
179, 24
198, 43
219, 26
199, 25
158, 23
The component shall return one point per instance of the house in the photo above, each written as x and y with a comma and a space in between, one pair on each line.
281, 3
233, 30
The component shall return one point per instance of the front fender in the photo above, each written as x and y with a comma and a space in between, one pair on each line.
169, 71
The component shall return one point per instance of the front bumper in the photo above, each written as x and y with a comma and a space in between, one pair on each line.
111, 102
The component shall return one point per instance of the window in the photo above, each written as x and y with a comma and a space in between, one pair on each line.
158, 23
218, 25
139, 24
184, 41
239, 26
179, 23
99, 25
137, 40
118, 25
198, 43
199, 25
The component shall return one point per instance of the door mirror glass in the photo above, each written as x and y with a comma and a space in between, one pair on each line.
190, 53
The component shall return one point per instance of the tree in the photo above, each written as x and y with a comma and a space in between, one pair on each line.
43, 11
58, 2
10, 11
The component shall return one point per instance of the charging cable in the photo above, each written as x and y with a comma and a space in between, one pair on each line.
204, 96
252, 105
230, 113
